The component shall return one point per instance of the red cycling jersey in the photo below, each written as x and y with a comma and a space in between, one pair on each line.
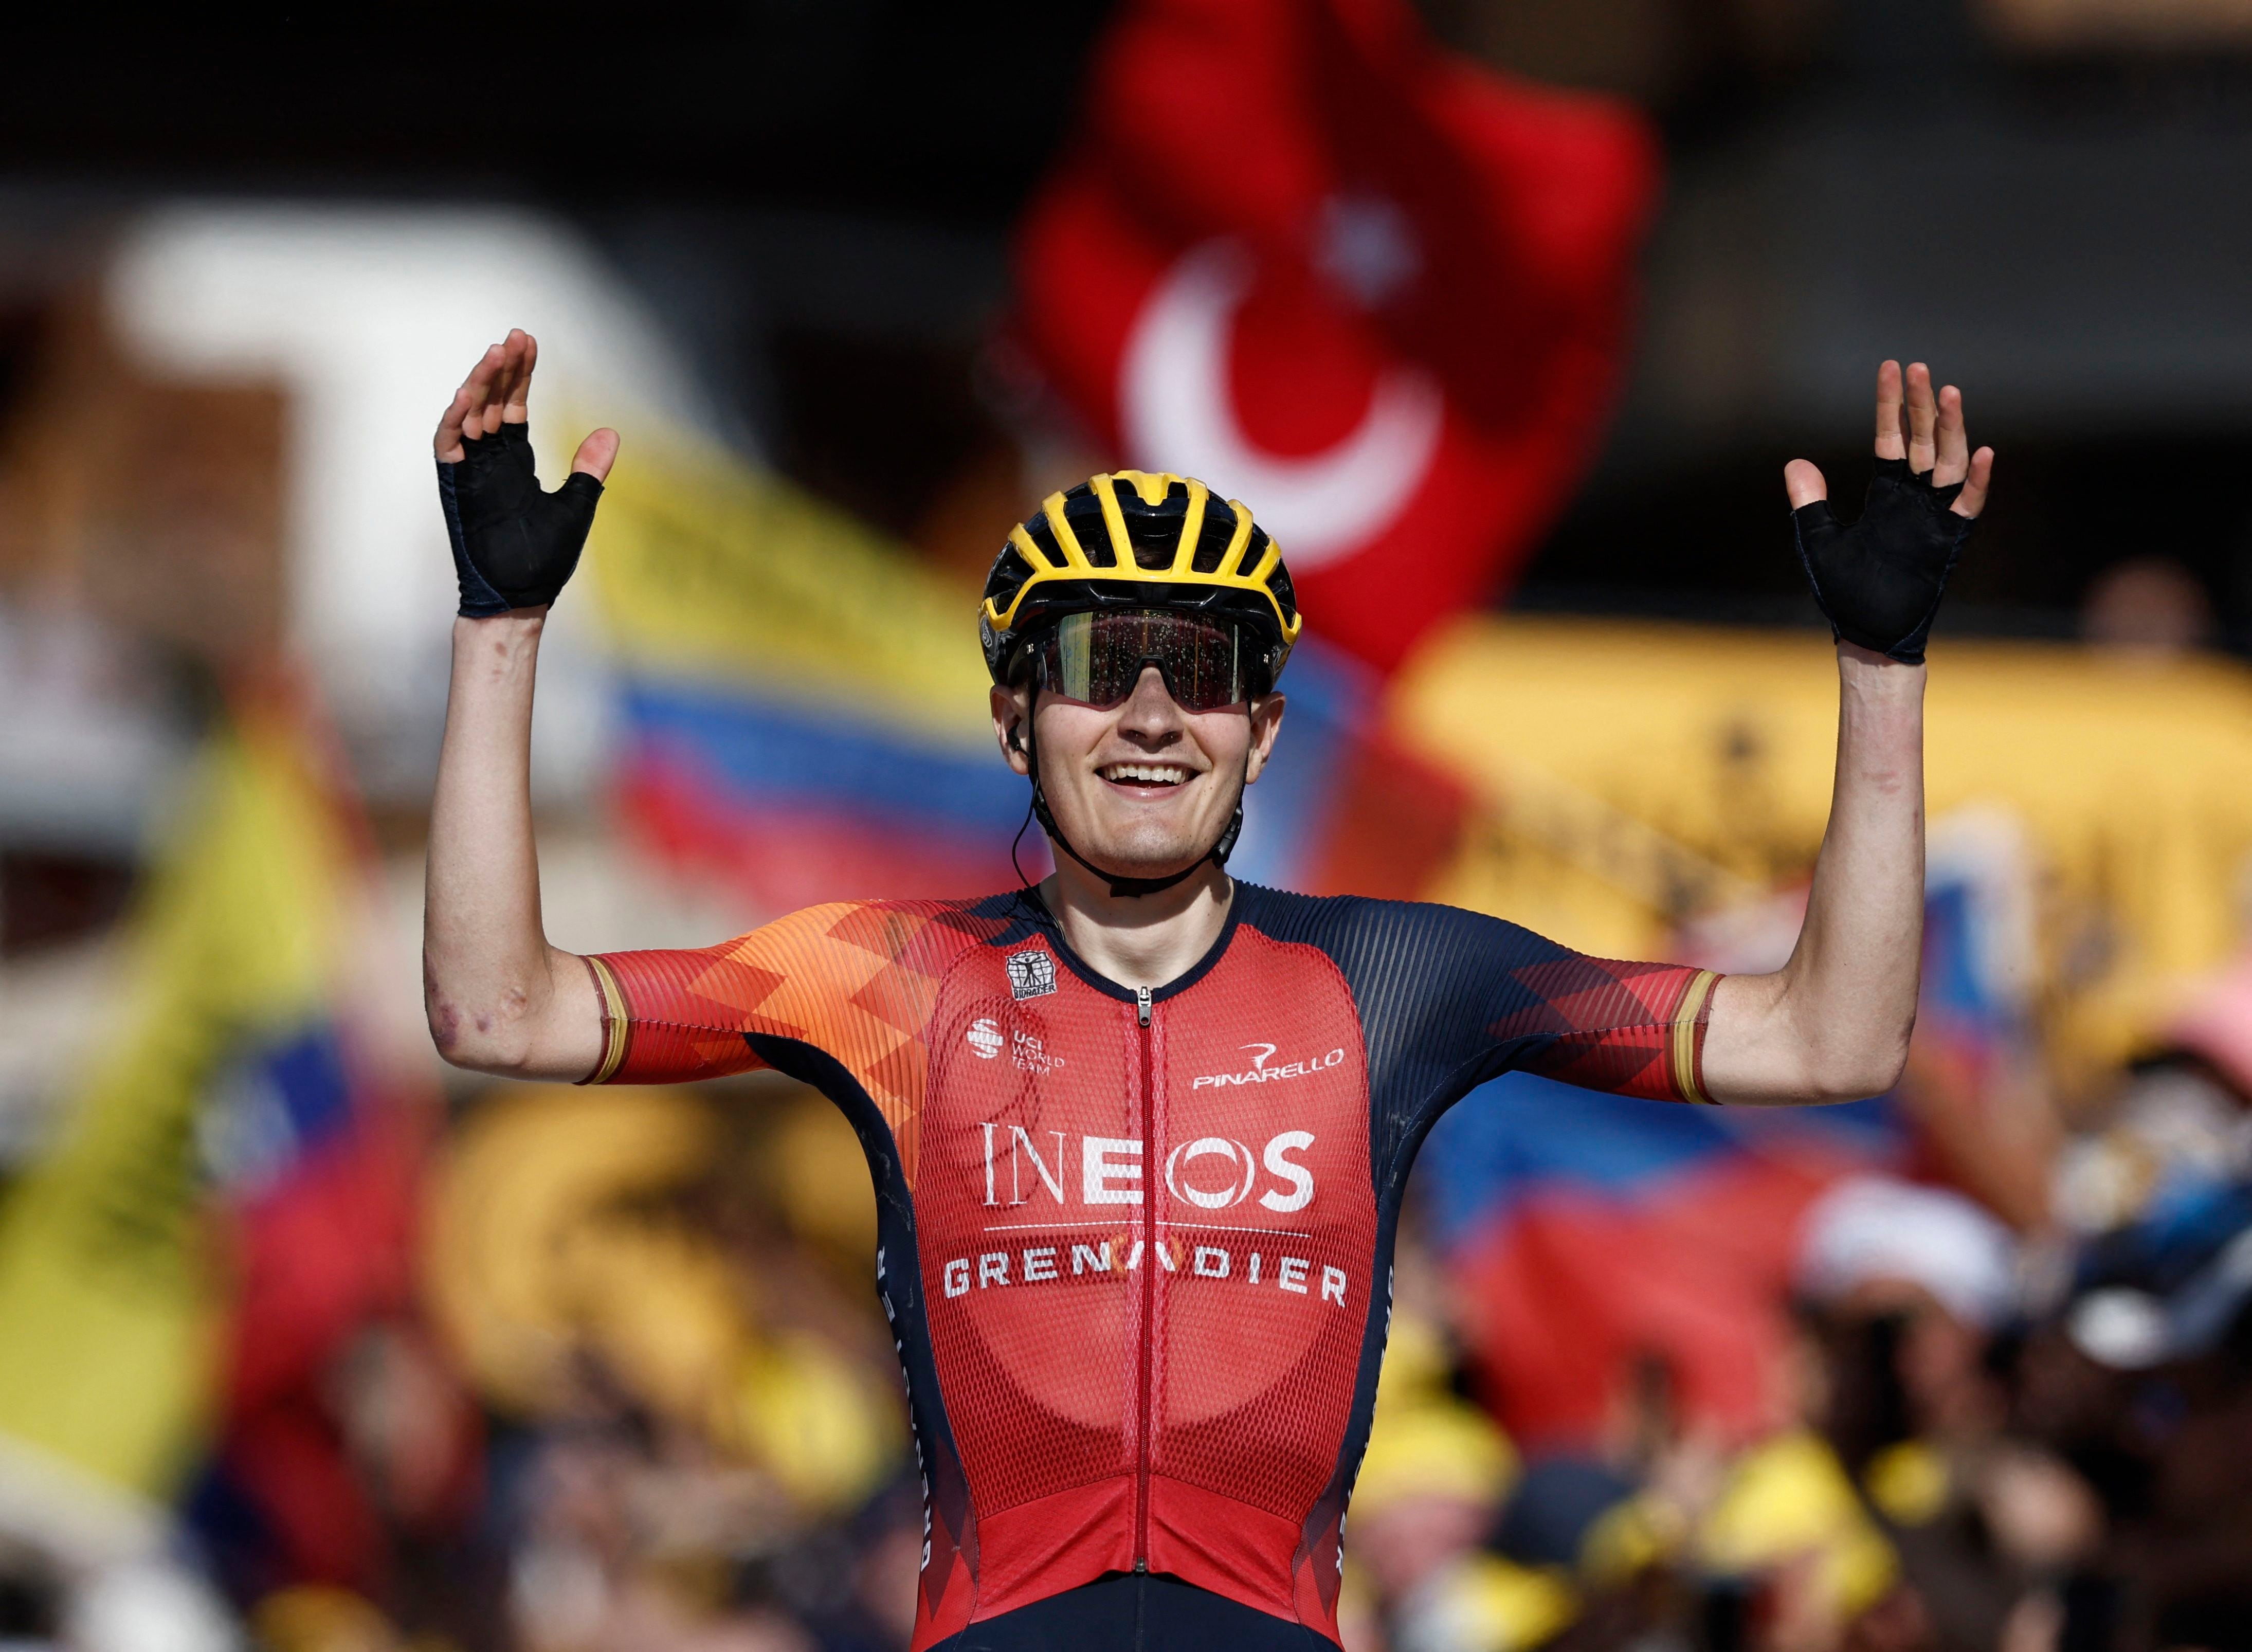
1135, 1246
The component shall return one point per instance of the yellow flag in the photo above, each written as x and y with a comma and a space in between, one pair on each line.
109, 1301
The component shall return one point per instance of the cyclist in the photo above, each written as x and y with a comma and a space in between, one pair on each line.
1139, 1135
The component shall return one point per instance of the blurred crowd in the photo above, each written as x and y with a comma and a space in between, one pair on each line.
1983, 1438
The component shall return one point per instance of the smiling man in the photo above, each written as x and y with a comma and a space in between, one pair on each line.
1139, 1135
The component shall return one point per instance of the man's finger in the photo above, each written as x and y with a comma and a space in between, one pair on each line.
511, 386
1954, 445
474, 389
1923, 419
504, 384
481, 375
1890, 443
477, 388
481, 392
497, 394
1972, 499
597, 454
1803, 483
519, 392
448, 442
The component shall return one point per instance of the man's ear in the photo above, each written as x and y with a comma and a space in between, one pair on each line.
1011, 717
1266, 727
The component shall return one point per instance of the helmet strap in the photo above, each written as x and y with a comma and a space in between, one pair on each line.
1120, 888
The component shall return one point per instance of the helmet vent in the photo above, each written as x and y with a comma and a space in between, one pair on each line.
1009, 572
1044, 540
1215, 536
1279, 583
1084, 512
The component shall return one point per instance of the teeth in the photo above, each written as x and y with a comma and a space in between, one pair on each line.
1164, 773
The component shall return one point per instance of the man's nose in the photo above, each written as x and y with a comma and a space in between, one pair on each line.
1149, 711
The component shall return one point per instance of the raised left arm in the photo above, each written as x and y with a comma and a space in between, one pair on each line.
1832, 1024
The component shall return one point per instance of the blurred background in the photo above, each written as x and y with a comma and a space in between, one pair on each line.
1504, 314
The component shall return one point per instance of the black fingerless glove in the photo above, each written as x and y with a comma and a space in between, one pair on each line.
514, 546
1879, 580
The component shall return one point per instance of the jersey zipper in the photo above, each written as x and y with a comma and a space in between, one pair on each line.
1149, 1422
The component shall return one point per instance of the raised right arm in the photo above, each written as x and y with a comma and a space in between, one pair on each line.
499, 998
855, 981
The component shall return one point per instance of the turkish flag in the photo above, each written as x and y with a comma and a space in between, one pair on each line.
1378, 293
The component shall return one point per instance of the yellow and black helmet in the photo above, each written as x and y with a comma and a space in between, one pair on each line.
1136, 540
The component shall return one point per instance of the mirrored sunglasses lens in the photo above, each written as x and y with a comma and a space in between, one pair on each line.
1097, 658
1207, 675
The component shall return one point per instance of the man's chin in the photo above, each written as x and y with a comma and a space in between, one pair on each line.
1148, 840
1145, 860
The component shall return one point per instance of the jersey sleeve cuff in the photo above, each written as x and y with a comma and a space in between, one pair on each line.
617, 1023
1686, 1037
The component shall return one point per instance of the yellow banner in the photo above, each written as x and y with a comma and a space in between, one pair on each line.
1630, 775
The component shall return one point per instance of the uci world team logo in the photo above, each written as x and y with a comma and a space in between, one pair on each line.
1031, 973
1028, 1051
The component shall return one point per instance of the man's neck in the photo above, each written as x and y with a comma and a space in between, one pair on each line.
1139, 940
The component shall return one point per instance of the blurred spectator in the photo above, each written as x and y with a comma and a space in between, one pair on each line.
631, 1537
1793, 1560
2146, 1381
1875, 1244
1911, 1292
2148, 605
2173, 1125
1429, 1491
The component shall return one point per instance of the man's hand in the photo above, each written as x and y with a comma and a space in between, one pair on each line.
514, 546
1879, 580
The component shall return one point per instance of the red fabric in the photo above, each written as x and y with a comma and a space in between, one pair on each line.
1252, 1556
1394, 211
1567, 1294
1073, 1536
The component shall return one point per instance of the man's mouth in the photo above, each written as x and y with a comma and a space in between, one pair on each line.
1145, 776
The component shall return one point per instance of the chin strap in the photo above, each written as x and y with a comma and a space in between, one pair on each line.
1121, 887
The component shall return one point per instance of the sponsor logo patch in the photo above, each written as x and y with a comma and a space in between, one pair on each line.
1031, 973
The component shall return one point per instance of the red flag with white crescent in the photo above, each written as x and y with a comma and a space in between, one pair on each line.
1378, 293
